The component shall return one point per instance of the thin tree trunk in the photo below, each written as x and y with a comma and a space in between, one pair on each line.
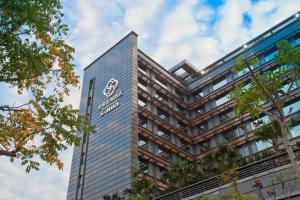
236, 189
275, 147
289, 149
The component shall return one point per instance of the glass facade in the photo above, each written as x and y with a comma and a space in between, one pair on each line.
163, 116
106, 162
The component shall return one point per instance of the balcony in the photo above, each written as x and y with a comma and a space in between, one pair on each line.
168, 145
162, 115
246, 173
165, 155
163, 133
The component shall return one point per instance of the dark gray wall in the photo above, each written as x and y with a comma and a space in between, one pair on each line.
112, 151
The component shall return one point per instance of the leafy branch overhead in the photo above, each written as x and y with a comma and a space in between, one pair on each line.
35, 58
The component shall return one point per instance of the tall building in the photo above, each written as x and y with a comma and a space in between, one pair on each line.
147, 117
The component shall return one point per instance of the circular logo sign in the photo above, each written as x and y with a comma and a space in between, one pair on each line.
110, 87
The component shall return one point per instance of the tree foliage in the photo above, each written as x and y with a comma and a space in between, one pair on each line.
272, 87
221, 160
269, 132
114, 196
36, 59
143, 189
180, 174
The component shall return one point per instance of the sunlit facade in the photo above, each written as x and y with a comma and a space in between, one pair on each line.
148, 117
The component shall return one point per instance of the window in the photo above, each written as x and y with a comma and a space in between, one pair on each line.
233, 134
142, 142
182, 126
244, 150
179, 109
179, 94
199, 94
142, 84
224, 117
296, 41
89, 101
180, 72
285, 87
298, 83
292, 108
163, 133
142, 101
201, 110
160, 96
216, 140
91, 84
246, 86
260, 145
242, 72
259, 122
269, 56
161, 82
142, 68
184, 145
143, 166
204, 147
163, 153
219, 84
202, 127
295, 131
162, 114
162, 171
142, 121
222, 100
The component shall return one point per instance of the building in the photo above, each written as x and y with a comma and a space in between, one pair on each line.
147, 117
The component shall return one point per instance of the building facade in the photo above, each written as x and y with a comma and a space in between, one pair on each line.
147, 117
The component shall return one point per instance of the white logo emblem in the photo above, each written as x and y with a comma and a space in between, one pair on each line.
110, 87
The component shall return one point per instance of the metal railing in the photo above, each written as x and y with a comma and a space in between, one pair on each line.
243, 172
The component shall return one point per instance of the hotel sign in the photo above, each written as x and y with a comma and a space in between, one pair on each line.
113, 96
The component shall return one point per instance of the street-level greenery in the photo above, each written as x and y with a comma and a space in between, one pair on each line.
35, 59
223, 161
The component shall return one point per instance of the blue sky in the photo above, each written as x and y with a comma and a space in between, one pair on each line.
169, 31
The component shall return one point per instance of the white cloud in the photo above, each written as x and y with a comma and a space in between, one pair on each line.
139, 14
185, 31
266, 14
183, 37
179, 24
94, 28
99, 24
186, 34
205, 13
46, 184
229, 29
11, 97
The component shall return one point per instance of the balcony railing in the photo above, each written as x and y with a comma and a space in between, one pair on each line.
243, 172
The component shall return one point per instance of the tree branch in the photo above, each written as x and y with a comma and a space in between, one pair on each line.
264, 111
13, 108
263, 89
18, 146
8, 153
288, 93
